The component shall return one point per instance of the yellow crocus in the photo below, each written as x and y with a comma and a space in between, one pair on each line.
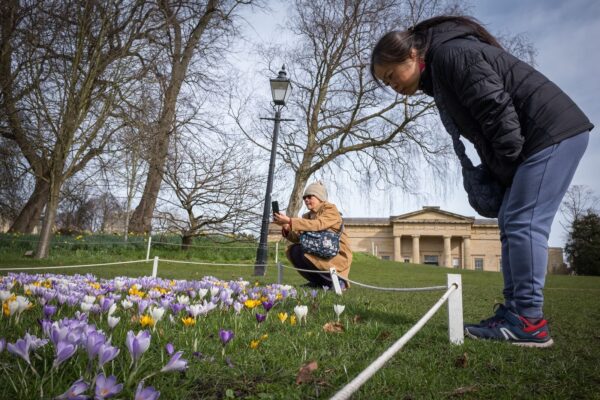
147, 320
189, 321
293, 320
282, 316
254, 344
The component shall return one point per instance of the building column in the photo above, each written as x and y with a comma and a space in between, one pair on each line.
416, 252
447, 252
398, 248
467, 255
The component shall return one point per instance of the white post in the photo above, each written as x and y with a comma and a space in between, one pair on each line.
148, 251
455, 311
155, 267
280, 273
336, 282
372, 248
276, 252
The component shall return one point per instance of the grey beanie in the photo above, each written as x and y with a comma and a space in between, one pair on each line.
316, 189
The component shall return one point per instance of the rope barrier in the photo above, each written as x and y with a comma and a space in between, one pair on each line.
73, 266
216, 264
376, 365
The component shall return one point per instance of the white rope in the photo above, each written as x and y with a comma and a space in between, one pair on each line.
356, 383
419, 289
422, 289
217, 264
73, 266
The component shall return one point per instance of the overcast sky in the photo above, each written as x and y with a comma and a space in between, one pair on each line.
566, 35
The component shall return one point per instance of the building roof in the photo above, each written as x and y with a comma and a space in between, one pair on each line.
400, 218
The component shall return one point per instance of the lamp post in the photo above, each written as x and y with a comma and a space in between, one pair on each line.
280, 90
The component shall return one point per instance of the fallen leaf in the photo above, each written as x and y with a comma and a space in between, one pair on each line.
461, 361
305, 373
357, 319
463, 390
333, 327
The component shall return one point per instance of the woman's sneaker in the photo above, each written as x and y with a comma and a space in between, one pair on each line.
499, 312
514, 329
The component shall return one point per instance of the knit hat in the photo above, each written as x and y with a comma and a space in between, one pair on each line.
316, 189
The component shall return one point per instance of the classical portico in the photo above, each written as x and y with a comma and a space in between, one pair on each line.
429, 236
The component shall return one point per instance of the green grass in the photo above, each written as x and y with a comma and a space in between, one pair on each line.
427, 367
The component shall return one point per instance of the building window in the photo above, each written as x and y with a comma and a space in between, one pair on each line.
431, 260
387, 258
479, 264
455, 263
407, 260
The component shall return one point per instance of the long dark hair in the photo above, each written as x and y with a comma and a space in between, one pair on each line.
395, 46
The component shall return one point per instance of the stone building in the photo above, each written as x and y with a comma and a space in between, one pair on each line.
433, 236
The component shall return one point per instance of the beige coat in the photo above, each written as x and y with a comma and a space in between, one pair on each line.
326, 217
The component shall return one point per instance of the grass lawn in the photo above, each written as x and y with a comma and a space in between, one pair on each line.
427, 367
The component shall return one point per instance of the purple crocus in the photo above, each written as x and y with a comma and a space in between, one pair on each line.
93, 342
49, 310
146, 393
106, 387
20, 348
267, 305
137, 344
2, 344
170, 348
175, 363
106, 353
225, 336
64, 351
75, 391
260, 317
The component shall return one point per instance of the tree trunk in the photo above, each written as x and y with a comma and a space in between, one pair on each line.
30, 214
141, 219
46, 233
186, 242
295, 201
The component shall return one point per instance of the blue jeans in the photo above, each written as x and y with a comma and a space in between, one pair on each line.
525, 219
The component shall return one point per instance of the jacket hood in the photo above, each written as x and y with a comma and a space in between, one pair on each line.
444, 32
437, 36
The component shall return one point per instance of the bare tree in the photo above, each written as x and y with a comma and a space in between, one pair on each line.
347, 123
74, 59
215, 188
189, 32
14, 181
578, 201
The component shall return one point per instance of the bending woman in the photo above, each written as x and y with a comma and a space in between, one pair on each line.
321, 216
526, 130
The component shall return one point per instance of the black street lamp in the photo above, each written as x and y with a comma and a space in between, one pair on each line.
280, 90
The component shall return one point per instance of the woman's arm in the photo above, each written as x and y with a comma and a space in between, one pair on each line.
329, 218
480, 89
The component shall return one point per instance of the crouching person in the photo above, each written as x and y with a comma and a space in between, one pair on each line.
314, 252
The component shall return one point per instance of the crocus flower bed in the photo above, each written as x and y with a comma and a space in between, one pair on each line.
79, 337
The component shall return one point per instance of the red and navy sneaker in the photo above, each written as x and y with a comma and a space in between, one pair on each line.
514, 329
499, 311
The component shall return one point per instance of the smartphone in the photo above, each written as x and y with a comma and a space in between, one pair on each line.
275, 207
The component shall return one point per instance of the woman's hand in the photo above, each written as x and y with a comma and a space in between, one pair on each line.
281, 219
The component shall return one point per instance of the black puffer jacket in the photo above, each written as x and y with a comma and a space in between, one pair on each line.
506, 108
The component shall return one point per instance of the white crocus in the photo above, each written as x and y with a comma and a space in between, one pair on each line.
126, 304
113, 321
89, 299
202, 292
13, 306
195, 309
86, 307
4, 294
157, 313
214, 291
112, 309
23, 304
301, 312
183, 299
338, 309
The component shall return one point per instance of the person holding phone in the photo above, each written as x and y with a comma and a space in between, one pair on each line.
321, 216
